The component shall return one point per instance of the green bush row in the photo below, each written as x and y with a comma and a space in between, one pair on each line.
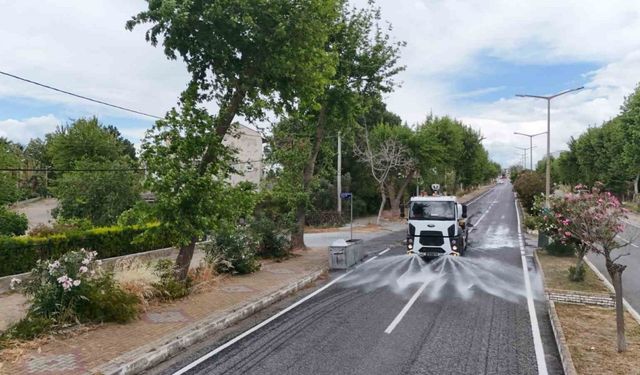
20, 254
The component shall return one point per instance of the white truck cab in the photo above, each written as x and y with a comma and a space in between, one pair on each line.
436, 227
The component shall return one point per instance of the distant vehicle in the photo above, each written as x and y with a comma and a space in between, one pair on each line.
501, 181
437, 227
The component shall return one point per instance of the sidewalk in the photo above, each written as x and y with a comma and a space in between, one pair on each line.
88, 349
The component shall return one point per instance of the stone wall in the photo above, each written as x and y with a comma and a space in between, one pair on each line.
563, 296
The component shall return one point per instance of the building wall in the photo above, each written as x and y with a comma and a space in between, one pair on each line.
248, 144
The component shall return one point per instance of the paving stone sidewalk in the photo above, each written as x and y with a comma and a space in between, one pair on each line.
82, 353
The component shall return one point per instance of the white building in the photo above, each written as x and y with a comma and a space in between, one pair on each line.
248, 144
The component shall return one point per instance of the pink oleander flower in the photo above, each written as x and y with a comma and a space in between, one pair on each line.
66, 282
54, 266
76, 282
567, 234
83, 269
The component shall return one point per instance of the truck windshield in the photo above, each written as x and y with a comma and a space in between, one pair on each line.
437, 210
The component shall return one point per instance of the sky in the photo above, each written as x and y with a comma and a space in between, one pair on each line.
464, 59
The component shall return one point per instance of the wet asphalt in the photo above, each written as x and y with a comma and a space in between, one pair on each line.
470, 314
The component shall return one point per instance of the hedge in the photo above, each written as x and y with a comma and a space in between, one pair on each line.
20, 254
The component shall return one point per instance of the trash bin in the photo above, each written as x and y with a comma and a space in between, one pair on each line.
342, 255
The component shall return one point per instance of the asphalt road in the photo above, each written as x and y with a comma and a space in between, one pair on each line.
396, 315
631, 276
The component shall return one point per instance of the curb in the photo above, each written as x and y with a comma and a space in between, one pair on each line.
561, 342
558, 334
606, 282
151, 354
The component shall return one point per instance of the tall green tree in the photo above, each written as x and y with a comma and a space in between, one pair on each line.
366, 66
83, 139
193, 198
246, 56
9, 159
630, 122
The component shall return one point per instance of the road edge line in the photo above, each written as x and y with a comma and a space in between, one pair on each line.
269, 320
533, 317
145, 357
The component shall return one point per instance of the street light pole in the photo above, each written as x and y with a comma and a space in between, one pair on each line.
548, 99
530, 145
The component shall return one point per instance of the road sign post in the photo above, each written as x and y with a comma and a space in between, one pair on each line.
349, 196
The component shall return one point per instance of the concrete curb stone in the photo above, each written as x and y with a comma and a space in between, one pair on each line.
561, 342
151, 354
563, 348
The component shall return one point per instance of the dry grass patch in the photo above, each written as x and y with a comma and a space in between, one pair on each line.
591, 335
556, 275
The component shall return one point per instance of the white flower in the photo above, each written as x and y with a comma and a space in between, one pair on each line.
76, 282
83, 269
54, 266
86, 261
14, 283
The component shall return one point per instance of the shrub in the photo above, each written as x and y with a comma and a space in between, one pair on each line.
326, 218
559, 249
233, 250
28, 328
169, 287
20, 254
273, 239
528, 185
11, 223
74, 288
576, 274
530, 222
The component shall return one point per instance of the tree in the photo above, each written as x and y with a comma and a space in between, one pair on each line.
595, 219
99, 196
83, 139
367, 62
383, 159
248, 56
630, 120
528, 185
9, 158
193, 196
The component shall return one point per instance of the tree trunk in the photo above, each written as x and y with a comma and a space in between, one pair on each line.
226, 114
636, 197
183, 261
383, 197
615, 272
396, 196
297, 238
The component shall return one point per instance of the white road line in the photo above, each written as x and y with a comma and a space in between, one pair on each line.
264, 323
406, 308
535, 329
474, 200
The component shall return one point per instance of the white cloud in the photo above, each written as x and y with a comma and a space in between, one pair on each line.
24, 130
82, 46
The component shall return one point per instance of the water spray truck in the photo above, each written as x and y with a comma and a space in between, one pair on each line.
437, 226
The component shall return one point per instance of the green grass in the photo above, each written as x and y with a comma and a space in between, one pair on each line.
556, 275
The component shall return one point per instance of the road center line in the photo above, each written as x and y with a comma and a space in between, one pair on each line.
535, 328
406, 308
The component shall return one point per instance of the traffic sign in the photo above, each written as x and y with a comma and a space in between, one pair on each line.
345, 195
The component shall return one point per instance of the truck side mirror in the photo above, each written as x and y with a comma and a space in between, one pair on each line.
464, 211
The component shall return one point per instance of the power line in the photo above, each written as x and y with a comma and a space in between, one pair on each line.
78, 95
103, 169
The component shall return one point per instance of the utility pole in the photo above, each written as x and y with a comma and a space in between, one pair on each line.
530, 145
548, 99
339, 173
